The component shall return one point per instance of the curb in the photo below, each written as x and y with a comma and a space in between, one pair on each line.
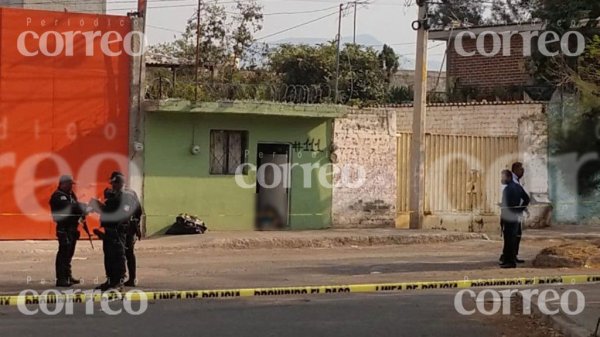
325, 242
54, 296
561, 323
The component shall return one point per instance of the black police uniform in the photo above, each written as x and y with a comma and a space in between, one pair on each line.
132, 233
114, 218
66, 212
511, 213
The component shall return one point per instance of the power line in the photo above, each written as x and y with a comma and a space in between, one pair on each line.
301, 12
297, 26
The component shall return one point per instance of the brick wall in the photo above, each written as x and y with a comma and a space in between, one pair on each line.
488, 75
367, 138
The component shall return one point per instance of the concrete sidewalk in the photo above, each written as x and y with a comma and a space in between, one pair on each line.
329, 238
564, 232
279, 239
310, 239
581, 325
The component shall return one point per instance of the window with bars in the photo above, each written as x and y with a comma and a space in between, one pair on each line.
227, 151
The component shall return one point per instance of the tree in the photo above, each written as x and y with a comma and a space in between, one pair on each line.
362, 77
461, 12
512, 11
389, 62
578, 130
224, 39
476, 12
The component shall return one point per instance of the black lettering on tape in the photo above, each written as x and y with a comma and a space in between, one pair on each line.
78, 298
278, 292
192, 294
412, 286
593, 279
230, 294
210, 294
495, 283
32, 300
550, 280
335, 290
388, 288
167, 295
4, 300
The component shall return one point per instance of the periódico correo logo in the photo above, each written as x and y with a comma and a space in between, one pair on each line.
52, 302
53, 43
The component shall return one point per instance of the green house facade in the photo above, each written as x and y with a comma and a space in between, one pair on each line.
233, 163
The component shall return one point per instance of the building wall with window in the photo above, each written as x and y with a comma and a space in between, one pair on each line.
190, 159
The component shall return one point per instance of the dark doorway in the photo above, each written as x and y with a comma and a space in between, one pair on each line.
272, 186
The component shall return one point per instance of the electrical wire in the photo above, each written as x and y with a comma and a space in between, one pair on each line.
296, 26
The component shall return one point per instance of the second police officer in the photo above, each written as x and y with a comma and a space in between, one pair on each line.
116, 214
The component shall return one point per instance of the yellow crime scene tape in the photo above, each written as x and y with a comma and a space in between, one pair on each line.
12, 300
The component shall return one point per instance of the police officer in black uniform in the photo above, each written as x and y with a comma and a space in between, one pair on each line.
115, 215
66, 212
134, 231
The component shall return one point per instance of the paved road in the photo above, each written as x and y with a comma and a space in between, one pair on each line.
410, 315
32, 265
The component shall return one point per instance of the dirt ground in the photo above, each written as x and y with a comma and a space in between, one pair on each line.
31, 266
520, 325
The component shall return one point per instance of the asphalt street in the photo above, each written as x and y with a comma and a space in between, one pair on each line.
410, 315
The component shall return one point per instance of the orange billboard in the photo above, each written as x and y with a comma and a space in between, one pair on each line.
64, 109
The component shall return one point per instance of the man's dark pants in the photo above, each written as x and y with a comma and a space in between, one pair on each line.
130, 255
510, 230
113, 246
67, 241
518, 239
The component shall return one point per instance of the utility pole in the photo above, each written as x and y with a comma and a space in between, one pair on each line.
417, 148
354, 34
337, 57
197, 49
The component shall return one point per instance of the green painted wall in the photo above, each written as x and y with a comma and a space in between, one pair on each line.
177, 181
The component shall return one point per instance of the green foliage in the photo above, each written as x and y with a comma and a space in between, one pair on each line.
364, 73
399, 95
224, 39
389, 62
447, 12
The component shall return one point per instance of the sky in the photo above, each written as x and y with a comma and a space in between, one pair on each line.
388, 21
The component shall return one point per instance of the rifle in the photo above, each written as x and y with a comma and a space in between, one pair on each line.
83, 222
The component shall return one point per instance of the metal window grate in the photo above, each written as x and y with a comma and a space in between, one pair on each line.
227, 151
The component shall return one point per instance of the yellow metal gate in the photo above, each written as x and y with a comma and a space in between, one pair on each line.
462, 173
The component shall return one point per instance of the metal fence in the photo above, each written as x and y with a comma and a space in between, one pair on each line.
164, 88
462, 173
